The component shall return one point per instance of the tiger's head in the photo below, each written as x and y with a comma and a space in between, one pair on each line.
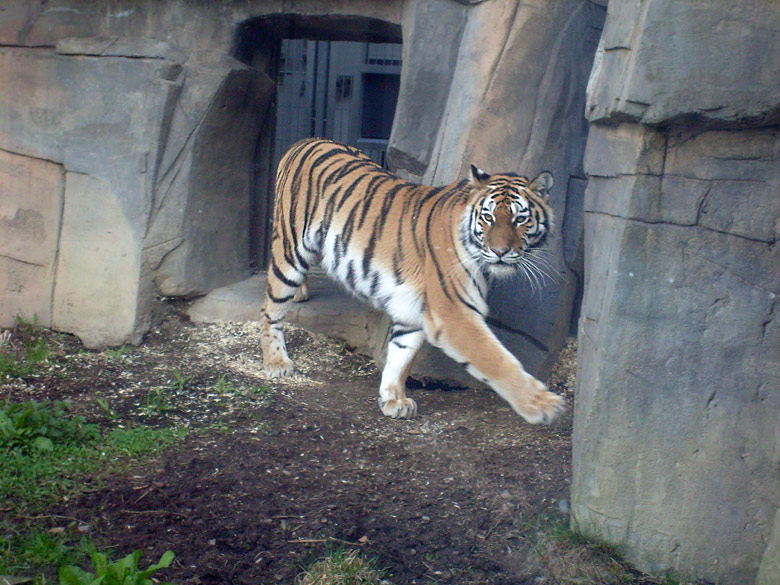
509, 218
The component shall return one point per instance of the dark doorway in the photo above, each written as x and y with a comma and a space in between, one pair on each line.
346, 91
336, 77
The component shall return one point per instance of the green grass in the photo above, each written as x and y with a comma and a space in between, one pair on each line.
45, 455
24, 351
117, 353
31, 479
343, 567
12, 367
20, 553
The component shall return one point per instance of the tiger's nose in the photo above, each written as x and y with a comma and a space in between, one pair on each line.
499, 251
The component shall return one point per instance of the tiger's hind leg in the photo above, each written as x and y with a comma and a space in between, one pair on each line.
281, 289
403, 346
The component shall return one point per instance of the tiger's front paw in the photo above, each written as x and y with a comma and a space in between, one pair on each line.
278, 367
541, 406
400, 408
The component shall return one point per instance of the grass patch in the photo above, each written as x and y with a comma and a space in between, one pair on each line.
24, 351
567, 557
46, 454
343, 567
19, 553
31, 479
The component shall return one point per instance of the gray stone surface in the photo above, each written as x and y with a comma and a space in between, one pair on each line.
714, 59
199, 238
66, 110
520, 74
675, 437
96, 291
31, 193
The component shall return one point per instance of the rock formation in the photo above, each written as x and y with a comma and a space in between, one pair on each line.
134, 163
676, 428
143, 134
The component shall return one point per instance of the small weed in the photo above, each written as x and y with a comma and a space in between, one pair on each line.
38, 352
223, 386
11, 367
179, 381
117, 353
342, 567
156, 402
106, 407
125, 571
24, 351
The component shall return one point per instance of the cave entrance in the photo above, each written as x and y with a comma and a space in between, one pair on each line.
336, 77
343, 90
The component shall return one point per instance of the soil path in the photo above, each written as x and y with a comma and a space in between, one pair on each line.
274, 473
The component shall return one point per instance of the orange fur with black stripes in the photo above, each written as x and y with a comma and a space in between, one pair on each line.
421, 254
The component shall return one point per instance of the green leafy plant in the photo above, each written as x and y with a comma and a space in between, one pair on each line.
41, 425
125, 571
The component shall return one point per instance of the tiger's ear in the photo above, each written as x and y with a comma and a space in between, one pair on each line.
543, 183
479, 178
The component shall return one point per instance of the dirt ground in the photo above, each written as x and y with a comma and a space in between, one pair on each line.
276, 472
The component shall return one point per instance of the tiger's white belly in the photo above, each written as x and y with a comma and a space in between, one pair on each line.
377, 286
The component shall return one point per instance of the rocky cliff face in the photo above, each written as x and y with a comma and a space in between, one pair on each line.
158, 113
676, 433
128, 131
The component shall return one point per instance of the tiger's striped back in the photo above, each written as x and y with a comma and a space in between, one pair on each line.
335, 203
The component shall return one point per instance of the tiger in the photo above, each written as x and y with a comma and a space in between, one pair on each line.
424, 255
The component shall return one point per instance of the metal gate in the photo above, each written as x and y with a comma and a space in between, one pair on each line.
345, 91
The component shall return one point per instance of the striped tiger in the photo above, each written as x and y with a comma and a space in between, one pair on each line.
421, 254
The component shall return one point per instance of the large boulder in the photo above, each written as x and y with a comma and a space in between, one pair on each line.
78, 172
675, 437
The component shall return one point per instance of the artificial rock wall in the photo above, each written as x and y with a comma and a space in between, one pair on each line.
128, 132
676, 422
510, 97
138, 128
